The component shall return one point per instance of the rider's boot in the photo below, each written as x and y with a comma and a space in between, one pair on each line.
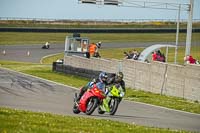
79, 97
82, 91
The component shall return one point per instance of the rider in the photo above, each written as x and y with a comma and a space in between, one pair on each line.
47, 45
100, 83
117, 79
96, 53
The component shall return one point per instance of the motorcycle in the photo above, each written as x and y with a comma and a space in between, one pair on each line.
45, 47
89, 101
111, 102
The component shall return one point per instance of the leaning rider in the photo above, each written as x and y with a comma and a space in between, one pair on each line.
117, 79
100, 83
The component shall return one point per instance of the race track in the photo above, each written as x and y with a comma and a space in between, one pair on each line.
20, 52
22, 91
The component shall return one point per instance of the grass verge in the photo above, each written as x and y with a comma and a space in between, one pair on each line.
117, 53
10, 38
31, 122
45, 71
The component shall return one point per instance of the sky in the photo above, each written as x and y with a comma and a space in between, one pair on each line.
71, 9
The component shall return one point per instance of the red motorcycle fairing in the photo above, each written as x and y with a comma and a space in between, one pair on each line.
93, 92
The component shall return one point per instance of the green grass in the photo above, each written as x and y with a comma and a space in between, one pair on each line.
117, 53
163, 100
45, 71
10, 38
92, 24
53, 58
31, 122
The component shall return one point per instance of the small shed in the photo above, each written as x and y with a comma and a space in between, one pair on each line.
76, 45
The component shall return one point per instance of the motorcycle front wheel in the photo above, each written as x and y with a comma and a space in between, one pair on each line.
100, 111
114, 102
91, 105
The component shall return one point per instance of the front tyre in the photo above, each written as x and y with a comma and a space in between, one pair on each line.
114, 102
100, 111
91, 105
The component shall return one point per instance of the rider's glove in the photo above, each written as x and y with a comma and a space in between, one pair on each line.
93, 80
122, 94
106, 91
91, 84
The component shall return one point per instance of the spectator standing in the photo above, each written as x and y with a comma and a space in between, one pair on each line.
154, 56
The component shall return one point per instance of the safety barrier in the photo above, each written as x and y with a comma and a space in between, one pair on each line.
156, 77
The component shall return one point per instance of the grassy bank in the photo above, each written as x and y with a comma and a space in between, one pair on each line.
117, 53
10, 38
45, 71
30, 122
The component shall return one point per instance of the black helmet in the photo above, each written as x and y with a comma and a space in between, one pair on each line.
119, 76
103, 76
98, 44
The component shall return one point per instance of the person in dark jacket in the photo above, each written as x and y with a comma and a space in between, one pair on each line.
117, 79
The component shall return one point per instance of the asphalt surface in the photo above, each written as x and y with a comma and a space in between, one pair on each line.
30, 93
20, 52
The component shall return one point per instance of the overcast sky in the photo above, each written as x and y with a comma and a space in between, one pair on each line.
70, 9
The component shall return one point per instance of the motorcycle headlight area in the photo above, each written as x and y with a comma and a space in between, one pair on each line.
122, 94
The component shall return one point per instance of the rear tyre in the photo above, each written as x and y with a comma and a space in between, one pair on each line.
91, 105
